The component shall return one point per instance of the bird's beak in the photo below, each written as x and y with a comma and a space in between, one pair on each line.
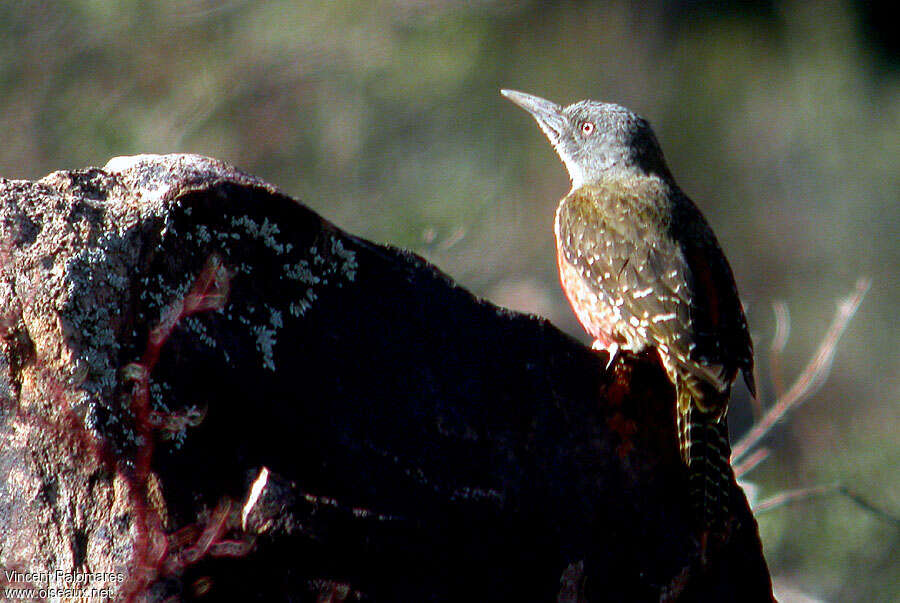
548, 115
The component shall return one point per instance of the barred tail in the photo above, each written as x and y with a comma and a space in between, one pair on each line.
703, 439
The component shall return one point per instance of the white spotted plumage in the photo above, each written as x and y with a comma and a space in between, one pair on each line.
642, 268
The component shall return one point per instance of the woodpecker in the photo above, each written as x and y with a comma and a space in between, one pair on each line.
642, 268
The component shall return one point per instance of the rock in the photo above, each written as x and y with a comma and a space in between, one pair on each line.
208, 390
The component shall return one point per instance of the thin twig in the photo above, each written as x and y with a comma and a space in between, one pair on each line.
779, 342
812, 377
751, 462
865, 504
791, 496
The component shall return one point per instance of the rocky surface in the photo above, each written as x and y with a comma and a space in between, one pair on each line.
207, 391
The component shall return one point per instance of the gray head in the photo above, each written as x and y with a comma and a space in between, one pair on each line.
596, 140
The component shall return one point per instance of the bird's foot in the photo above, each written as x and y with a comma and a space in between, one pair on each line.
611, 348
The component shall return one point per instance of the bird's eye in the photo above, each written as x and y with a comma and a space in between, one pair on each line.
587, 128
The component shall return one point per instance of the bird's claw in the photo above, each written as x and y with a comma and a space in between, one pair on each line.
611, 348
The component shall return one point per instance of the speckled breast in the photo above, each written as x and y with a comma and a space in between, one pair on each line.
598, 314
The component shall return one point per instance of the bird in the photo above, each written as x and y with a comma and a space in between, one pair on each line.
642, 269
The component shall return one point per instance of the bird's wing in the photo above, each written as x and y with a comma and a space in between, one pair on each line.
718, 315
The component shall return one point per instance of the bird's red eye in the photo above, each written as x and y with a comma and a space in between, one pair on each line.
587, 128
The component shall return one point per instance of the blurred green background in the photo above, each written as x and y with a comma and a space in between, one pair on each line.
780, 119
